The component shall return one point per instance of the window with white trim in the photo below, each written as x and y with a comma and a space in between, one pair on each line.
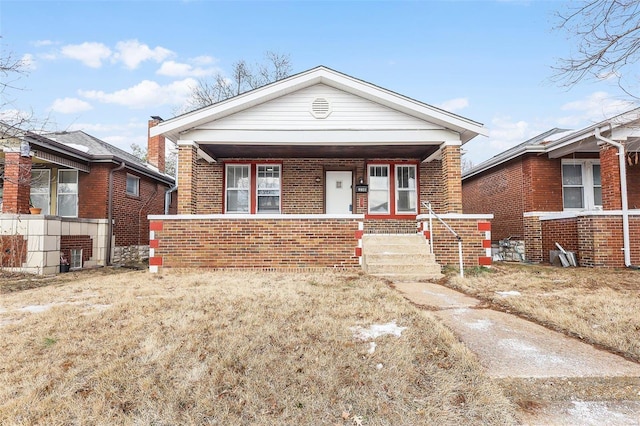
238, 187
379, 189
67, 200
268, 188
133, 185
581, 187
76, 259
406, 189
40, 195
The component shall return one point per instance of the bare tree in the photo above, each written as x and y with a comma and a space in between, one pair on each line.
243, 77
607, 36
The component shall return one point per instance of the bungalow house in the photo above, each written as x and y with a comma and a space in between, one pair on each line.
579, 189
318, 170
91, 200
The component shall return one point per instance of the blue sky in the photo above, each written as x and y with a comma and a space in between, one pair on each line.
106, 66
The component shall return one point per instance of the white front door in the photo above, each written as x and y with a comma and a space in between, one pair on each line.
339, 192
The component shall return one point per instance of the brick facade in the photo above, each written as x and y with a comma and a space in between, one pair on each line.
83, 242
475, 235
533, 239
17, 179
301, 194
610, 178
561, 231
450, 179
228, 242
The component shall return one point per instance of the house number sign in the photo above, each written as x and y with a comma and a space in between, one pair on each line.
362, 189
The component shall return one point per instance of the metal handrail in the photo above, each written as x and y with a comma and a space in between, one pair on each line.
427, 204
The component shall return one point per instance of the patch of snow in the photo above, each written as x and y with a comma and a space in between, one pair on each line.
481, 324
595, 413
508, 293
377, 330
372, 347
76, 146
379, 366
34, 309
531, 352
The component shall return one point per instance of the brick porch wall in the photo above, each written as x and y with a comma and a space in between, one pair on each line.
475, 231
561, 231
596, 238
224, 241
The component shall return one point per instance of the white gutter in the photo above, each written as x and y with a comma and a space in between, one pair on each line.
623, 195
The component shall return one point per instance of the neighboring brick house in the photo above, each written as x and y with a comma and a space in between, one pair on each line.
78, 182
565, 187
291, 175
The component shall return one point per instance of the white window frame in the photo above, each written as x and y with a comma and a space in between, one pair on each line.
413, 190
258, 189
227, 188
588, 198
388, 189
75, 258
58, 193
47, 206
135, 179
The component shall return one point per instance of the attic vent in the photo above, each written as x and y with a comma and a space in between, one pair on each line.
320, 108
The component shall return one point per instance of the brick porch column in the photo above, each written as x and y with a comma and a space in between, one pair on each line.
451, 179
188, 179
533, 239
610, 178
17, 182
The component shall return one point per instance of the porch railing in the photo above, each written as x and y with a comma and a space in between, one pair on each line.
427, 205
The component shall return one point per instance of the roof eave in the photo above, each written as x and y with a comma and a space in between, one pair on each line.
496, 161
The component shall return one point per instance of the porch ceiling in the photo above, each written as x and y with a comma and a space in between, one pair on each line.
220, 152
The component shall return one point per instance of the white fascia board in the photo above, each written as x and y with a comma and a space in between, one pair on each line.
499, 159
458, 216
322, 137
173, 127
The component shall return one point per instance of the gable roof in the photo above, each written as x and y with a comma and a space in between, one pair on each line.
172, 128
536, 144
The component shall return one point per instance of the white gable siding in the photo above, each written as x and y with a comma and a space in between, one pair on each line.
293, 112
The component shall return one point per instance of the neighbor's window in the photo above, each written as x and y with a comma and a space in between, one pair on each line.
406, 190
379, 189
68, 193
133, 185
76, 259
237, 188
268, 191
40, 195
581, 187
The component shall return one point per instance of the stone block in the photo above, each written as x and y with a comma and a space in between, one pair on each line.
37, 227
35, 243
53, 227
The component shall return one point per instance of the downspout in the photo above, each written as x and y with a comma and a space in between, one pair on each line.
110, 213
167, 194
623, 195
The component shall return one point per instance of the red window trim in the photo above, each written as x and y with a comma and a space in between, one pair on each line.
392, 190
253, 177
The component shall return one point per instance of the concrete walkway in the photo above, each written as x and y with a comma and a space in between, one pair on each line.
564, 379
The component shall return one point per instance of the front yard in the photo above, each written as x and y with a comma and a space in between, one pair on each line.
232, 348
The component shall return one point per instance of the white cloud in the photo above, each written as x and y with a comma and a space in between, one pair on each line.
177, 69
145, 94
453, 105
204, 60
90, 54
70, 106
42, 43
28, 62
132, 53
594, 108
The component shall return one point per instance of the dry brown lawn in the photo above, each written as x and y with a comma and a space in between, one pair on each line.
231, 349
600, 306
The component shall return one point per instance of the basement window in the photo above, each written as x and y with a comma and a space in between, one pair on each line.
133, 185
76, 259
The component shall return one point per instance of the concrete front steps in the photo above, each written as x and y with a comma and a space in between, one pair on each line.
399, 257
